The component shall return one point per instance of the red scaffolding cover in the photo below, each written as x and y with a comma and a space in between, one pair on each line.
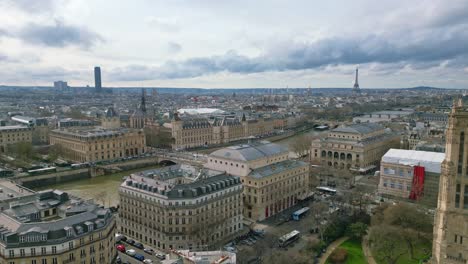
417, 190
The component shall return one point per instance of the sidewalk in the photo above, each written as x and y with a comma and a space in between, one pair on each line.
367, 252
331, 248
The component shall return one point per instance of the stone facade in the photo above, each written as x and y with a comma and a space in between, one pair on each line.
272, 182
96, 144
14, 134
191, 132
450, 245
358, 147
50, 227
181, 207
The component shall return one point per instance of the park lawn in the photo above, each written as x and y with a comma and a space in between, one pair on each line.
418, 254
355, 253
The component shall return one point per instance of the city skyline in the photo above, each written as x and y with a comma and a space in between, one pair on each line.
235, 45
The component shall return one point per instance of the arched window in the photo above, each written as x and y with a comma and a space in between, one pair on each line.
342, 156
461, 150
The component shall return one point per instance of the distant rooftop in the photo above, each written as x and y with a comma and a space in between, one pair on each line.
248, 152
92, 132
274, 169
200, 111
360, 128
430, 160
5, 128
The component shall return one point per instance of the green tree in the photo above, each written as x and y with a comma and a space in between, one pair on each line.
386, 244
23, 150
357, 230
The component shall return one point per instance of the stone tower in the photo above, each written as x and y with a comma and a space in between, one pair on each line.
111, 119
450, 245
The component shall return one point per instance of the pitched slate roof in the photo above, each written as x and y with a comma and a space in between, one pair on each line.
249, 152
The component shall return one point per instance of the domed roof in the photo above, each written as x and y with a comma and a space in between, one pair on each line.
111, 112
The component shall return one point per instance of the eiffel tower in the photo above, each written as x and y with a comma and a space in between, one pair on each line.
356, 84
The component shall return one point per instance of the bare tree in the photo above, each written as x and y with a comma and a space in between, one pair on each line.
301, 145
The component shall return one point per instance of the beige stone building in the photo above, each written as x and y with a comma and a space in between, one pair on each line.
49, 227
358, 147
14, 134
196, 131
181, 207
450, 245
397, 175
96, 144
111, 119
272, 182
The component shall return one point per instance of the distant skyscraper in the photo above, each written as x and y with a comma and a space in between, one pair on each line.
97, 79
356, 83
61, 85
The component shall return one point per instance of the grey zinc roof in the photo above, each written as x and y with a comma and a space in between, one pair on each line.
362, 128
276, 168
249, 152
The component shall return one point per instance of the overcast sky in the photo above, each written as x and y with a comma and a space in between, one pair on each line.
235, 43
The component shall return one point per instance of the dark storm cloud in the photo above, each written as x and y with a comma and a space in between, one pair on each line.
58, 35
421, 50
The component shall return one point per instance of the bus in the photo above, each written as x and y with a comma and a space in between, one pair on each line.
327, 190
79, 165
300, 213
289, 238
42, 171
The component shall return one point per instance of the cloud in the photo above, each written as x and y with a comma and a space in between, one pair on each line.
421, 50
3, 57
58, 35
47, 74
163, 24
33, 6
173, 47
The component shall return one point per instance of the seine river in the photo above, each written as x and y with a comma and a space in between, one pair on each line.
103, 189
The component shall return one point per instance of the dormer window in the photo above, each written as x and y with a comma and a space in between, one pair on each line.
90, 226
69, 231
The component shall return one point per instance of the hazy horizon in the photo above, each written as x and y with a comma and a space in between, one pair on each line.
243, 44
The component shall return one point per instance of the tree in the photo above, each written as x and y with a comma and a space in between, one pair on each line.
338, 256
357, 230
75, 113
301, 145
385, 243
415, 225
23, 150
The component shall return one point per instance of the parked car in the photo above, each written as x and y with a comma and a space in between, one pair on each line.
149, 251
139, 257
130, 241
138, 245
118, 260
131, 252
120, 248
160, 256
148, 261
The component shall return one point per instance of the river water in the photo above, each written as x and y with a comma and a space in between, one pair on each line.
104, 189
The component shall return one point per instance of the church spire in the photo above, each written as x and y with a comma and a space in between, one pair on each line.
143, 101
